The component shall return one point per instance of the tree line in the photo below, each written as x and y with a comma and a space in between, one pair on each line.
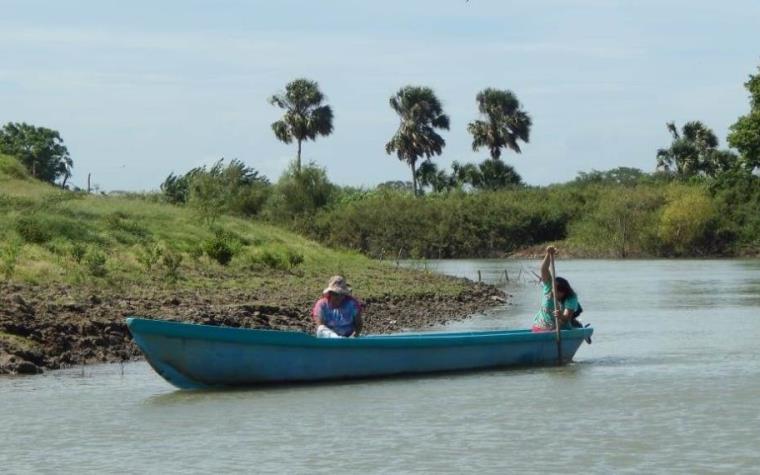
503, 124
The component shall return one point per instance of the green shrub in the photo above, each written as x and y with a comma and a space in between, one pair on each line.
220, 249
148, 255
95, 261
278, 258
172, 260
295, 259
687, 223
78, 251
224, 245
299, 194
196, 252
33, 229
9, 252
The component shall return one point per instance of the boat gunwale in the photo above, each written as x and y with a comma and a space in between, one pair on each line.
193, 331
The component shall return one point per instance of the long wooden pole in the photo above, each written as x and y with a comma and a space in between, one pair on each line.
556, 307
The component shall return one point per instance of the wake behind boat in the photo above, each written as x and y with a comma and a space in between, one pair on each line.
197, 356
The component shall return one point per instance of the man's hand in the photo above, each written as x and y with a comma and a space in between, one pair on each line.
551, 250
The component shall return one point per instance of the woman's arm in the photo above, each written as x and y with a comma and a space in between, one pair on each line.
546, 276
316, 313
358, 324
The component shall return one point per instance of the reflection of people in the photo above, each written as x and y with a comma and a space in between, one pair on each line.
569, 307
337, 313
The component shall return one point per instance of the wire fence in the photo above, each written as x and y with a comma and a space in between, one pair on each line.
508, 275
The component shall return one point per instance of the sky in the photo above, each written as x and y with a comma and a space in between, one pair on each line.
141, 89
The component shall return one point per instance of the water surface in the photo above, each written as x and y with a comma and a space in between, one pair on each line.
670, 384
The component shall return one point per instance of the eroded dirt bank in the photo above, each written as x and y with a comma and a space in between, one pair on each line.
50, 327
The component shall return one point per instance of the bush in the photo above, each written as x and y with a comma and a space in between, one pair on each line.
223, 246
9, 252
148, 255
233, 188
78, 251
172, 261
278, 258
688, 222
95, 261
621, 223
33, 229
299, 194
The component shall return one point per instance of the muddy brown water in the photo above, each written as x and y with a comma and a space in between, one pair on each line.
671, 384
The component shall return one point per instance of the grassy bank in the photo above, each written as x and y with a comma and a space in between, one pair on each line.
53, 236
74, 265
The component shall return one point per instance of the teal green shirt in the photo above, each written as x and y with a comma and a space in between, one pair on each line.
545, 316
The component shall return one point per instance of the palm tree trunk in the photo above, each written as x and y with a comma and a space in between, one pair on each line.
298, 158
414, 178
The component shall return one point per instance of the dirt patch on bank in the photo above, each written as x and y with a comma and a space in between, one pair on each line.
51, 327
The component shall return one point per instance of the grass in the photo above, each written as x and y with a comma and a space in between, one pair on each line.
18, 342
102, 241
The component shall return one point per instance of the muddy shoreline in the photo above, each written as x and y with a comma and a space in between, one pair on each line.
53, 327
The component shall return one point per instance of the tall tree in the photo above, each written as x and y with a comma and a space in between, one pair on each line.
505, 122
40, 149
744, 135
694, 150
420, 113
306, 117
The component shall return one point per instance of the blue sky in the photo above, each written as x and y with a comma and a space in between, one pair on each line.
140, 89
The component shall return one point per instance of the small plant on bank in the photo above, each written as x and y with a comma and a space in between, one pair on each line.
295, 259
148, 255
223, 246
196, 252
95, 261
219, 250
33, 229
171, 261
78, 251
9, 257
278, 259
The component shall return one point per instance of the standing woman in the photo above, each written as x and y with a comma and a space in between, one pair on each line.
569, 307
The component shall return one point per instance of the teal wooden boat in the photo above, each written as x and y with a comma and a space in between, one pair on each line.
197, 356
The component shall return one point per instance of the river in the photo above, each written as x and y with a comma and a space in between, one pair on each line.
671, 384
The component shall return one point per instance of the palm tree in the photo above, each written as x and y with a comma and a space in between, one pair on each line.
496, 175
693, 150
505, 122
490, 174
420, 114
305, 116
439, 181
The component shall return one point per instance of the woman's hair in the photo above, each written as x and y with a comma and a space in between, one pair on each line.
564, 286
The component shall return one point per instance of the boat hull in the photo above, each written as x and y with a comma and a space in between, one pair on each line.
196, 356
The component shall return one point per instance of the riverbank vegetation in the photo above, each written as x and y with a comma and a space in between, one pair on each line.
52, 235
73, 265
701, 200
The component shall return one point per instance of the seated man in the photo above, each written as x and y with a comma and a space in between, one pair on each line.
337, 314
